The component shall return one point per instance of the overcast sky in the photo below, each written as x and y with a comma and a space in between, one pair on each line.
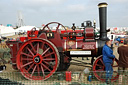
38, 12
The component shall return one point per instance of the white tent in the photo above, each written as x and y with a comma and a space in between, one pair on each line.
25, 29
7, 31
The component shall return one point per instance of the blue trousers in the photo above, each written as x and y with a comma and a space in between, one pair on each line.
109, 70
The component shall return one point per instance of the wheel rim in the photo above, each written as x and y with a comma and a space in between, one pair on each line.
99, 69
37, 59
57, 27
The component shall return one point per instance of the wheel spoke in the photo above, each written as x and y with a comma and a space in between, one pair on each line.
99, 70
30, 51
33, 70
45, 51
99, 65
26, 64
22, 53
27, 59
48, 27
38, 69
45, 67
30, 67
49, 59
46, 62
102, 74
37, 47
101, 61
42, 46
48, 54
32, 47
58, 26
42, 71
51, 65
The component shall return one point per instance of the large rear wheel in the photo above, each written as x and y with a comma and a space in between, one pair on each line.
37, 59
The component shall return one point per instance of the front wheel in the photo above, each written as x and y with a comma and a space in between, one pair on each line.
99, 69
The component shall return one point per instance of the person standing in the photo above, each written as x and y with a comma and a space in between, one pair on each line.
116, 43
108, 60
123, 60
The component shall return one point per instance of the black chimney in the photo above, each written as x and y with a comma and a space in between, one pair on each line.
103, 20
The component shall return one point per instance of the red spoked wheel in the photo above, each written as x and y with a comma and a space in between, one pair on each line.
99, 69
54, 24
37, 59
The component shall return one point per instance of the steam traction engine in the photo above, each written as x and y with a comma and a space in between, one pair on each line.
46, 51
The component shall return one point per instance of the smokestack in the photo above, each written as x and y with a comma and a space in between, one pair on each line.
103, 20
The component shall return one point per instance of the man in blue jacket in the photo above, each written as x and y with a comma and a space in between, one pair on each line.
108, 60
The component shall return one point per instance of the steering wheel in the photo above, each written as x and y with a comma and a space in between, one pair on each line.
58, 25
32, 32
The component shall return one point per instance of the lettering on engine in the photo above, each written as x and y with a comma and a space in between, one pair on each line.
86, 46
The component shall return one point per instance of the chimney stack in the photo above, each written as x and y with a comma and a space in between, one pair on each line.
103, 20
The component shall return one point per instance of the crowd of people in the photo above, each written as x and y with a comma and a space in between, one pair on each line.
108, 58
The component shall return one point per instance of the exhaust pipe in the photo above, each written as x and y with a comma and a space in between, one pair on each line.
103, 20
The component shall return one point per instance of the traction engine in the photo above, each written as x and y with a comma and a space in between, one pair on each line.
43, 52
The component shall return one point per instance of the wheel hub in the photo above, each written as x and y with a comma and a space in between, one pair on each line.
37, 59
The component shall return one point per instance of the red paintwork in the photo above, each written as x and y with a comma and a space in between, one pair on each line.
89, 33
70, 31
64, 41
22, 39
43, 35
79, 40
35, 33
14, 47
